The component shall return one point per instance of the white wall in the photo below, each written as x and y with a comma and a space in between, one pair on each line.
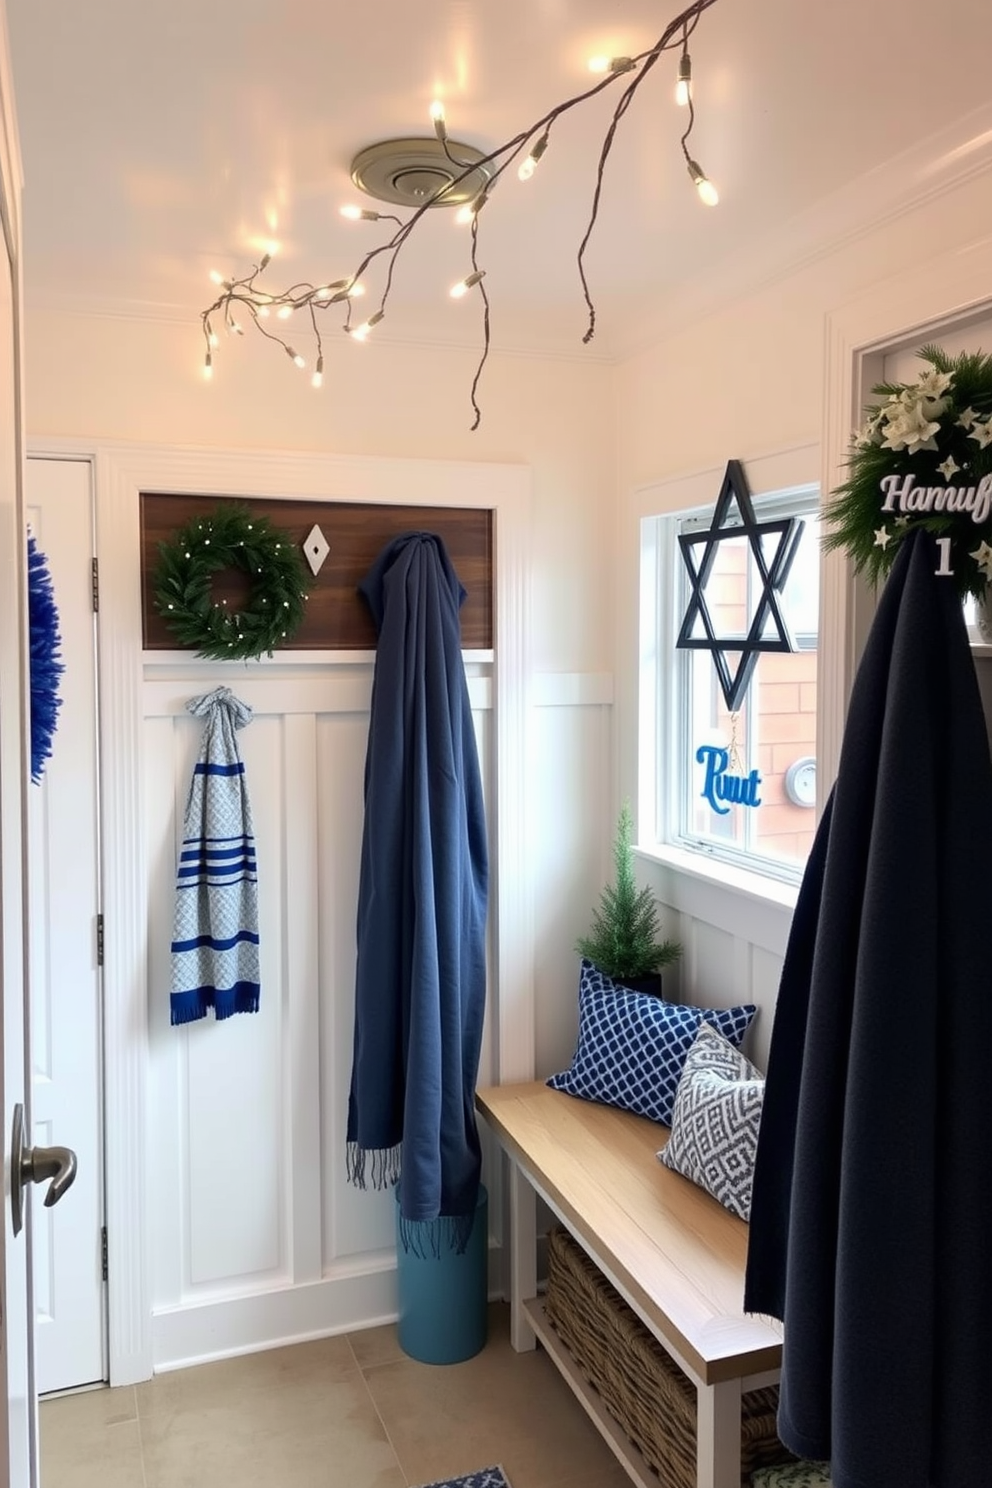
247, 1118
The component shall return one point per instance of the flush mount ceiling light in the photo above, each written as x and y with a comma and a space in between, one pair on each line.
422, 174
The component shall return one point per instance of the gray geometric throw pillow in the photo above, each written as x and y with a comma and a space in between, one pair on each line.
715, 1121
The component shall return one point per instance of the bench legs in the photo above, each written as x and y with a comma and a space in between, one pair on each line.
718, 1407
718, 1435
523, 1258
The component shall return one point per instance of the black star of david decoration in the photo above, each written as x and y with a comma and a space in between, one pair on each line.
724, 527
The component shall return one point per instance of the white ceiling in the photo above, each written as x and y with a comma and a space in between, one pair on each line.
163, 138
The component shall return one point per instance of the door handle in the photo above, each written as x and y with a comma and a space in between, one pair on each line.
36, 1165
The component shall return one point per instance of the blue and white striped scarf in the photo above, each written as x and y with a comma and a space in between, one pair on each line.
215, 933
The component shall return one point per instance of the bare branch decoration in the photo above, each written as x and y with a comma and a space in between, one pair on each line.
245, 296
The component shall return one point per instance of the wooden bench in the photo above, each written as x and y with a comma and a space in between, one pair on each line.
672, 1252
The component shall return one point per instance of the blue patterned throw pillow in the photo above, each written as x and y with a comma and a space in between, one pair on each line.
632, 1046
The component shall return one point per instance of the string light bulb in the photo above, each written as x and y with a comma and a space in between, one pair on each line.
294, 357
440, 124
683, 85
707, 191
611, 64
359, 214
208, 367
213, 338
317, 380
284, 312
332, 291
529, 166
472, 209
360, 332
459, 290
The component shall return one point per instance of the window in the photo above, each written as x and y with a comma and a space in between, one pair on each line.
769, 744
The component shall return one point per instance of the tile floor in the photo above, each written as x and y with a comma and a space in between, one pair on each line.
346, 1412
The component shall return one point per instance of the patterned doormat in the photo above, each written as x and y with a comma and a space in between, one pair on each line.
486, 1477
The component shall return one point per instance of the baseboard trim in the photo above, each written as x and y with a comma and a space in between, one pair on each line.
200, 1332
223, 1328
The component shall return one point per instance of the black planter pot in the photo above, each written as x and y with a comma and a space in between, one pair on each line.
650, 983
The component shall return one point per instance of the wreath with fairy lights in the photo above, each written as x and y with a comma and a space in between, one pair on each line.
230, 537
923, 458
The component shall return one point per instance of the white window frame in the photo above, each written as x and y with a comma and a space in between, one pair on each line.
681, 780
660, 743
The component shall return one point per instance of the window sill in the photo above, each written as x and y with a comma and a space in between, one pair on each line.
743, 881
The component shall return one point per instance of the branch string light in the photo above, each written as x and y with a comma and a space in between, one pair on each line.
531, 143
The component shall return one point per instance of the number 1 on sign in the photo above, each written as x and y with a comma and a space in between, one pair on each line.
944, 569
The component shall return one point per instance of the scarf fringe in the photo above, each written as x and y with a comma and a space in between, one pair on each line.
380, 1165
436, 1237
187, 1007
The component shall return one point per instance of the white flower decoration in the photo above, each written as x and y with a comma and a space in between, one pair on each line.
910, 430
935, 384
982, 432
967, 418
949, 467
870, 432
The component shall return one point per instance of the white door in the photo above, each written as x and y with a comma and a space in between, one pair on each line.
64, 975
18, 1416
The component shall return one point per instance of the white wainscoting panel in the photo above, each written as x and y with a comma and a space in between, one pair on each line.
250, 1205
353, 1224
766, 971
571, 830
732, 946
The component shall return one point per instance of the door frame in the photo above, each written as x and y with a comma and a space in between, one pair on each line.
121, 473
19, 1423
906, 310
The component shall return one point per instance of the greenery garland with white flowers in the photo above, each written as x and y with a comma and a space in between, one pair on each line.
230, 537
923, 458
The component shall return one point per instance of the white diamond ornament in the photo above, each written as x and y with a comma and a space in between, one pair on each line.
316, 547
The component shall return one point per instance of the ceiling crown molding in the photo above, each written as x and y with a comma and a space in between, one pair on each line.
923, 173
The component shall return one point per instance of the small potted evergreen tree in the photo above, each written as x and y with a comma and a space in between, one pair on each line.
625, 938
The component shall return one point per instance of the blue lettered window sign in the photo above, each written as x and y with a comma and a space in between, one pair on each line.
721, 788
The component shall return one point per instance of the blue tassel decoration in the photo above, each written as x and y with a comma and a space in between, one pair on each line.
46, 667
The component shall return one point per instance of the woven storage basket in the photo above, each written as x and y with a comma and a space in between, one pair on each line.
641, 1386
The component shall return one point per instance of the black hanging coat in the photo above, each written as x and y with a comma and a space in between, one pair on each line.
871, 1221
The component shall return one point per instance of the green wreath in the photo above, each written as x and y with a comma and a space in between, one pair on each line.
923, 458
230, 537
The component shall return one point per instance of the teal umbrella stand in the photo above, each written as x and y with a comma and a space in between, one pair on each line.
443, 1299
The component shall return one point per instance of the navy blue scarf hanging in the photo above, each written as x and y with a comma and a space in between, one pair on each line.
420, 983
871, 1220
